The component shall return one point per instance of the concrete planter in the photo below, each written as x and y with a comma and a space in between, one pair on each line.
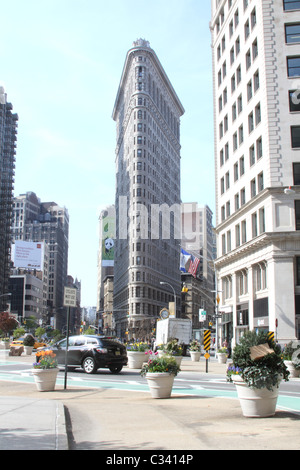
222, 358
45, 379
136, 359
294, 373
195, 355
28, 350
255, 403
160, 384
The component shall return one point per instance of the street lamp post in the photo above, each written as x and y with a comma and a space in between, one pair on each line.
170, 285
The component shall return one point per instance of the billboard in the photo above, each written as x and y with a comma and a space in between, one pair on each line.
108, 239
28, 255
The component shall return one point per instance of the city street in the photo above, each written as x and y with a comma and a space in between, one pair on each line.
116, 412
188, 382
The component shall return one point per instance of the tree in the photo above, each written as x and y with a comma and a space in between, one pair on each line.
7, 322
39, 332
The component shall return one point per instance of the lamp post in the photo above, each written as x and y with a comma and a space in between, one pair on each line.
166, 283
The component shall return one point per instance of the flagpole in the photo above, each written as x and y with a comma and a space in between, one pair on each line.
216, 293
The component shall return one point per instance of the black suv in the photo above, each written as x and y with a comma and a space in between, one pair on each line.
91, 352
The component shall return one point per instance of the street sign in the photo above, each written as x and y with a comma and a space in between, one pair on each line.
271, 336
207, 340
207, 355
202, 315
70, 297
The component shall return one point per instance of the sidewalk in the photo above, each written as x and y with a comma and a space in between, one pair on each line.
112, 420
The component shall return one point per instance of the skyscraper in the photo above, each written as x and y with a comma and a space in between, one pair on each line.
47, 222
8, 138
147, 113
256, 70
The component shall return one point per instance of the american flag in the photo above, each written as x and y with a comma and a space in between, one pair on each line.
194, 265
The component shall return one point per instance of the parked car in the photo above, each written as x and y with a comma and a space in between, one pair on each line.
20, 341
91, 352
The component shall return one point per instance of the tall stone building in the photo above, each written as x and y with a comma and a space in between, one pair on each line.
8, 139
47, 222
147, 113
256, 73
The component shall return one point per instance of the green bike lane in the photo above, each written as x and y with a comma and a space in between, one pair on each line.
285, 401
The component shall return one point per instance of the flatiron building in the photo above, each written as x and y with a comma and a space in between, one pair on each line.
147, 113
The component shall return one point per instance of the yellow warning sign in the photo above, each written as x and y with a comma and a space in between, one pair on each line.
207, 338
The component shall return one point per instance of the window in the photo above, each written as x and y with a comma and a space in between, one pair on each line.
228, 209
237, 235
250, 123
237, 46
240, 104
262, 225
253, 187
297, 214
227, 180
291, 5
231, 56
222, 185
223, 245
243, 196
293, 66
254, 49
298, 270
252, 155
248, 59
256, 81
294, 100
228, 236
238, 75
247, 29
259, 149
260, 182
242, 282
241, 134
249, 90
292, 33
237, 201
242, 165
233, 112
257, 114
235, 141
244, 231
236, 172
295, 133
296, 173
253, 18
260, 276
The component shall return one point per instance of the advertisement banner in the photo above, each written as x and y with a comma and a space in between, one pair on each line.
28, 255
108, 242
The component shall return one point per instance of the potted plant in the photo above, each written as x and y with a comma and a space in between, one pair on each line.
257, 369
222, 355
172, 348
4, 343
160, 373
160, 350
45, 370
136, 355
291, 357
195, 350
28, 344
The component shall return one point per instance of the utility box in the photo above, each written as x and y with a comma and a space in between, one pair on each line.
179, 328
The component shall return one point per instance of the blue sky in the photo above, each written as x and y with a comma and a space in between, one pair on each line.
61, 63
